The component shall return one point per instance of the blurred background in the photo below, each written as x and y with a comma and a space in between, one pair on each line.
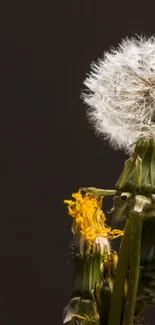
47, 147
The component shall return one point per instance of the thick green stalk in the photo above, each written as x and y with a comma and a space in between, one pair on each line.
134, 268
121, 272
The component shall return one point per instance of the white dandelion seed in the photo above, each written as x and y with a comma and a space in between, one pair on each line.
121, 93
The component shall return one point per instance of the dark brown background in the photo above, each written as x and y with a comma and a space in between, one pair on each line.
47, 147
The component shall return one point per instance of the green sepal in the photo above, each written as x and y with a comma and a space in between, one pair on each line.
87, 272
121, 207
98, 192
139, 171
71, 309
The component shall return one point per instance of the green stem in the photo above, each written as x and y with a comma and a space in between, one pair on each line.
134, 268
121, 272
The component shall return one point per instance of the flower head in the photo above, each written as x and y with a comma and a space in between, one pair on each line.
89, 219
121, 96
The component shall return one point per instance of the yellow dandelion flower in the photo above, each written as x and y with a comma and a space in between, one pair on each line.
89, 219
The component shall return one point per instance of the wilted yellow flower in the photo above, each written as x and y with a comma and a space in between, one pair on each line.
89, 219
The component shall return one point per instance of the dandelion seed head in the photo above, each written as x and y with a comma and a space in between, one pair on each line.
120, 93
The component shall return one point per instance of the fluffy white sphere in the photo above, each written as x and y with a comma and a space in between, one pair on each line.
121, 93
